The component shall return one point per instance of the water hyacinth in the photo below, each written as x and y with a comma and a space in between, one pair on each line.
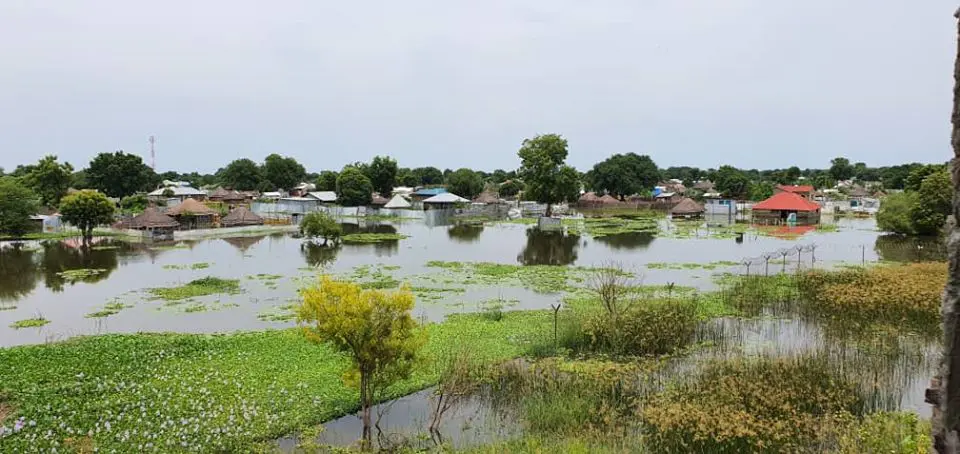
219, 393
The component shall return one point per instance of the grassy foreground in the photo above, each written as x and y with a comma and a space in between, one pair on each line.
177, 392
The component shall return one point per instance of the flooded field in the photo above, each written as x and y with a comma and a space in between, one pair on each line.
107, 289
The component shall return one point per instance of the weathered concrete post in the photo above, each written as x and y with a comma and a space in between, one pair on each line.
945, 392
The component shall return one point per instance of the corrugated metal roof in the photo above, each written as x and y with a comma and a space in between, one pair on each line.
787, 201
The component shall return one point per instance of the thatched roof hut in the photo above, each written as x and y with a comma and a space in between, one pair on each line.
192, 207
687, 207
589, 197
225, 195
241, 216
607, 199
151, 219
379, 200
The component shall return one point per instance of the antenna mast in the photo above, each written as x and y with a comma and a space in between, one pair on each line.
153, 153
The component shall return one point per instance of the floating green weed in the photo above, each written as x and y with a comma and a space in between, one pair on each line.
80, 274
198, 287
29, 323
691, 266
224, 392
194, 266
359, 238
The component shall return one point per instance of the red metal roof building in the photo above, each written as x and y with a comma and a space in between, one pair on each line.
778, 208
805, 191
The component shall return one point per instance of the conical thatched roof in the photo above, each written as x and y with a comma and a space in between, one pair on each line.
151, 219
607, 199
590, 197
241, 216
191, 206
687, 206
397, 202
378, 200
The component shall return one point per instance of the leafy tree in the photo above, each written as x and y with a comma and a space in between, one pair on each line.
50, 179
547, 178
510, 188
320, 225
17, 204
382, 173
731, 181
283, 172
327, 181
119, 174
241, 174
933, 203
625, 174
374, 328
918, 174
79, 180
408, 179
134, 203
353, 187
895, 177
840, 169
792, 175
465, 183
895, 214
761, 191
428, 176
86, 209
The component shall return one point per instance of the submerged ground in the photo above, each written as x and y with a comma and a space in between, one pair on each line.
183, 392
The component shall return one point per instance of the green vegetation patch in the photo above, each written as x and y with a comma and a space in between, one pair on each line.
193, 266
539, 278
199, 287
29, 323
691, 266
80, 274
214, 393
361, 238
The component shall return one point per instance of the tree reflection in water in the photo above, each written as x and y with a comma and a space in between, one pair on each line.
629, 241
18, 272
60, 256
899, 248
546, 247
317, 255
465, 233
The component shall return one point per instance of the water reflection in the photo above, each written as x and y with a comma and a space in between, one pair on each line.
629, 241
546, 247
465, 233
17, 273
319, 256
910, 249
243, 243
59, 257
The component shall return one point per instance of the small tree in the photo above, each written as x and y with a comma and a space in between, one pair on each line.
134, 203
374, 327
465, 183
382, 173
327, 181
353, 187
548, 180
50, 179
86, 209
895, 213
17, 204
321, 225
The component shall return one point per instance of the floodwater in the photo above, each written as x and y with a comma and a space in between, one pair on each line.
32, 284
35, 281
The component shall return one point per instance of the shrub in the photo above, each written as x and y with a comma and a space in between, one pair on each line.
890, 293
321, 225
654, 327
761, 405
894, 214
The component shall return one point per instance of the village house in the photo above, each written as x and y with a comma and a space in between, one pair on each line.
176, 190
717, 205
804, 191
786, 207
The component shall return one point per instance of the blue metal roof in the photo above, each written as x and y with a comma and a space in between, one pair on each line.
430, 191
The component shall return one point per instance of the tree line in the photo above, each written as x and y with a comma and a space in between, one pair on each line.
543, 176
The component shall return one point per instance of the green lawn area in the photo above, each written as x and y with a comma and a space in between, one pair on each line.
163, 392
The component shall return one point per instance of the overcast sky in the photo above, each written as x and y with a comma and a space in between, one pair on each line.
753, 83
